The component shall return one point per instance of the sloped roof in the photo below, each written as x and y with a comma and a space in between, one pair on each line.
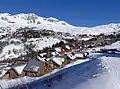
58, 60
67, 47
19, 68
34, 66
4, 71
58, 49
41, 59
79, 55
54, 53
72, 57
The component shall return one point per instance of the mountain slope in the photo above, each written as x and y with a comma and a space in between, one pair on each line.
33, 20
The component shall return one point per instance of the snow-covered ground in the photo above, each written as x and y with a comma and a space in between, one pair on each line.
115, 45
106, 76
32, 20
16, 49
12, 51
41, 43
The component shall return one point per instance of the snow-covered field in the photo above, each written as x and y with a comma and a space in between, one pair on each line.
41, 43
14, 50
115, 45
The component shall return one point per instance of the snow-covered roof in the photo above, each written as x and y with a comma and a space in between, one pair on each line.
34, 66
39, 58
79, 55
86, 53
68, 47
54, 53
58, 49
42, 54
20, 68
43, 59
48, 59
58, 60
4, 71
71, 56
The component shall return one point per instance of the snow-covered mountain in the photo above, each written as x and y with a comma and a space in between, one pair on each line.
9, 23
13, 40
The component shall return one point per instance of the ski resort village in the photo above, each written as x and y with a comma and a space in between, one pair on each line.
33, 48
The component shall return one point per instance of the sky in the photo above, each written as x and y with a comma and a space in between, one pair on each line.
76, 12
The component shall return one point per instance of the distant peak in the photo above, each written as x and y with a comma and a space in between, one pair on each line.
5, 14
51, 18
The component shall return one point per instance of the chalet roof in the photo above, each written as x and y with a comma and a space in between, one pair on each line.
67, 47
19, 68
54, 53
71, 56
79, 55
34, 66
48, 59
43, 59
86, 53
42, 54
40, 59
58, 49
2, 72
58, 60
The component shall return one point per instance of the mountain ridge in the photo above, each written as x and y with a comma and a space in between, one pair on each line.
16, 21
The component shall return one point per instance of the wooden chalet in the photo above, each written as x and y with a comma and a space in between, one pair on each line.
16, 71
81, 55
57, 62
70, 57
36, 68
66, 49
